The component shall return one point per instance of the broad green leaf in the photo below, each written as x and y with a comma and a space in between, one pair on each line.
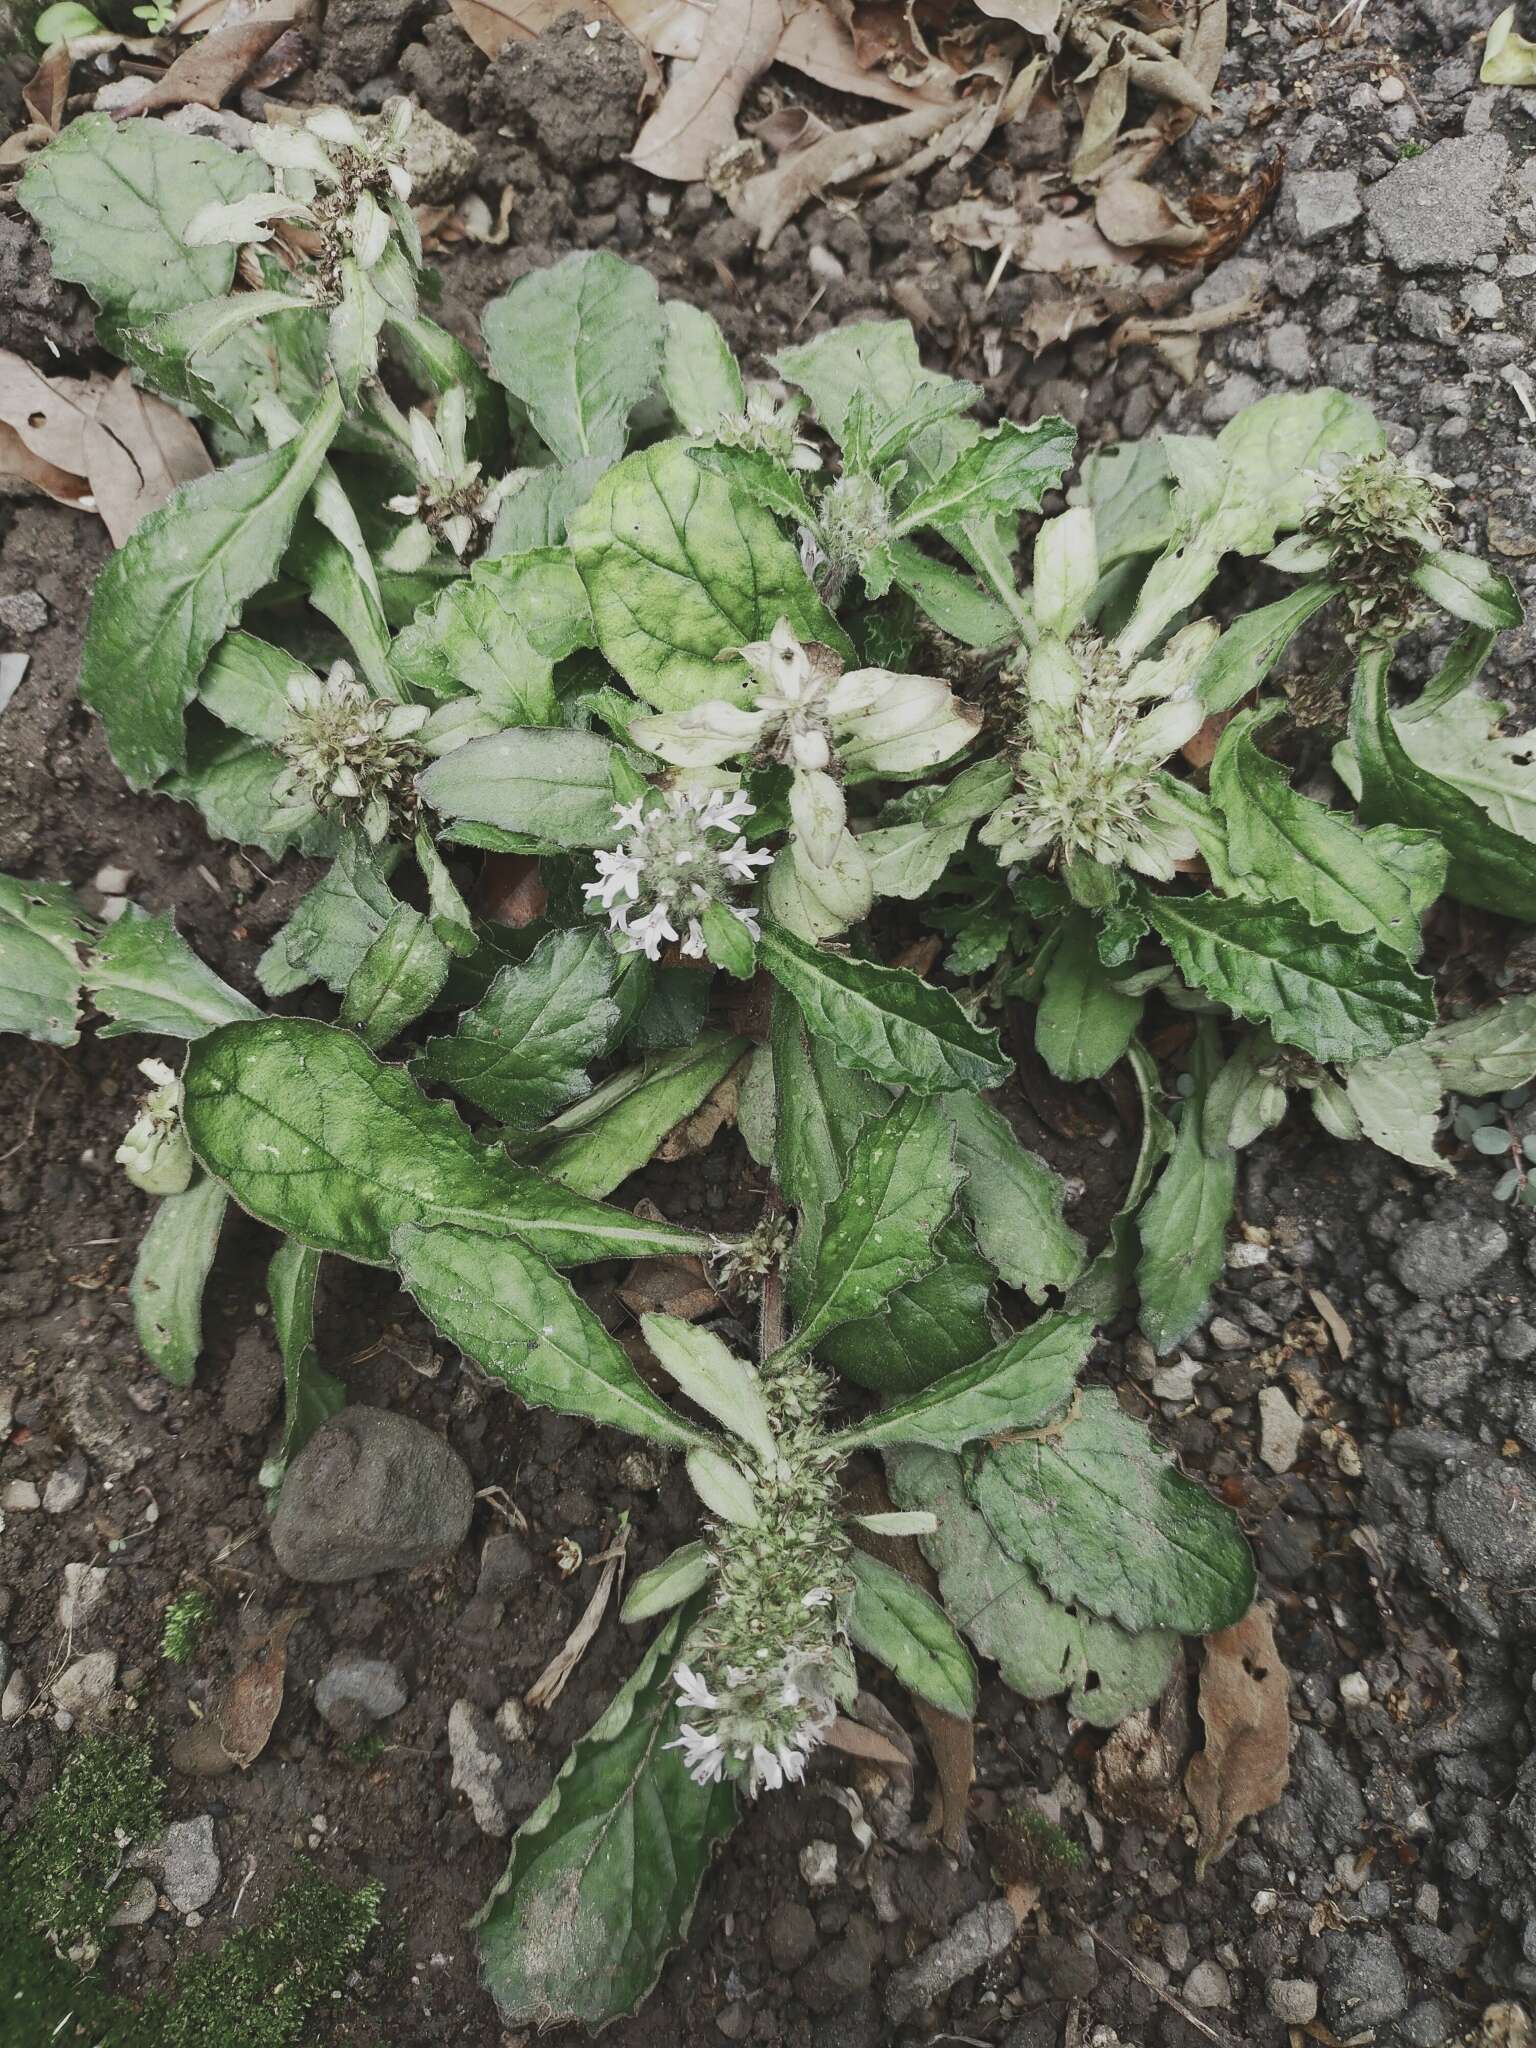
397, 978
1397, 1100
1250, 647
522, 1052
956, 605
1083, 1024
230, 779
714, 1379
617, 1128
681, 570
884, 1021
335, 923
523, 1323
580, 345
314, 1135
1282, 846
1129, 488
1020, 1385
169, 1275
169, 350
146, 977
1106, 1519
698, 372
923, 828
1489, 1052
1489, 865
1014, 1201
310, 1394
929, 1327
1338, 997
605, 1872
878, 361
541, 783
1468, 589
1463, 663
762, 478
908, 1631
436, 361
668, 1584
353, 328
474, 638
538, 514
1183, 1226
1461, 743
1040, 1646
42, 929
1008, 470
245, 686
178, 583
113, 199
878, 1232
814, 900
821, 1108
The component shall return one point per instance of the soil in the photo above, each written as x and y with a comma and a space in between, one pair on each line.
1394, 1882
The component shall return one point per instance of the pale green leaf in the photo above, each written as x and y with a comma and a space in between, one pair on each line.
336, 922
474, 639
1020, 1385
397, 978
169, 1275
541, 783
1397, 1100
616, 1129
714, 1379
1183, 1226
580, 345
698, 372
668, 1584
310, 1394
1488, 1053
1006, 471
907, 1630
42, 929
146, 977
1084, 1023
1014, 1201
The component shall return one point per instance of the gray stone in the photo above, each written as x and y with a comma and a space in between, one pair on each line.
356, 1691
505, 1562
1488, 1517
983, 1934
1430, 2025
370, 1492
66, 1487
16, 1698
19, 1497
138, 1904
1239, 277
23, 611
1439, 210
1227, 400
841, 1971
84, 1687
1289, 348
1292, 1999
1426, 315
477, 1765
1366, 1983
1449, 1255
1315, 204
791, 1933
440, 163
85, 1587
190, 1867
1207, 1988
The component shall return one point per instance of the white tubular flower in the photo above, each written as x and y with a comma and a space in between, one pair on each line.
349, 751
681, 854
242, 220
156, 1153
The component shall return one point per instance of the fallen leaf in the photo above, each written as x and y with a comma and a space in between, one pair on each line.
697, 116
1136, 1773
1338, 1329
1230, 217
1135, 215
1508, 58
206, 74
512, 890
137, 451
670, 28
552, 1680
1038, 17
673, 1287
854, 1739
47, 414
770, 201
1245, 1765
250, 1707
818, 44
1176, 339
787, 129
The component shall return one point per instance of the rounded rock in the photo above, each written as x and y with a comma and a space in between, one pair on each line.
1292, 2000
354, 1691
370, 1492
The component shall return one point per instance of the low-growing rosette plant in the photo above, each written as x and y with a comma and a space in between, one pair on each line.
734, 669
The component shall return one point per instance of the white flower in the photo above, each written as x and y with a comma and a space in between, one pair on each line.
691, 1688
671, 866
768, 422
819, 1596
156, 1153
703, 1754
450, 500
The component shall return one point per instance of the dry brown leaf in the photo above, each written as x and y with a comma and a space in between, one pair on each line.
18, 464
697, 1133
512, 889
1136, 1775
854, 1739
674, 1287
1338, 1329
770, 201
1176, 339
1231, 217
137, 451
1103, 120
1135, 215
667, 28
788, 129
1245, 1765
818, 44
48, 414
1037, 17
696, 120
208, 73
251, 1705
552, 1680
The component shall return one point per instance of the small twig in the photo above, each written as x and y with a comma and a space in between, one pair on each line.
1177, 2005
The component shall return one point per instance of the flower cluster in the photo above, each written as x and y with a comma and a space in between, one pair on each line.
681, 854
853, 528
336, 175
768, 423
766, 1667
450, 500
156, 1154
1368, 529
348, 751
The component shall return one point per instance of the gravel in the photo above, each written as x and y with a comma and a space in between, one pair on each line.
1366, 1985
1316, 204
190, 1867
1292, 2000
1439, 211
477, 1765
1488, 1517
1450, 1255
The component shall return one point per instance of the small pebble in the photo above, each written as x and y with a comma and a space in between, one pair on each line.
818, 1865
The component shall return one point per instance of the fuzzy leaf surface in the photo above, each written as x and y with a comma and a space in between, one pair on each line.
613, 1132
146, 977
1014, 1201
1018, 1386
907, 1630
1183, 1225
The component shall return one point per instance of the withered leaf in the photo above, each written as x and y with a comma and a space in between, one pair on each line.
1245, 1765
697, 116
250, 1707
674, 1287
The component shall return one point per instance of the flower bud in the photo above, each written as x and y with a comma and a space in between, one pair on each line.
156, 1153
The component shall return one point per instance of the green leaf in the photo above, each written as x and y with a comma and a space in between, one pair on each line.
1129, 488
1084, 1023
1468, 589
922, 829
698, 372
230, 779
714, 1379
245, 686
1397, 1100
1041, 1646
522, 1322
397, 978
543, 783
330, 557
681, 570
310, 1394
1281, 845
1019, 1385
537, 515
1337, 997
1463, 663
1489, 865
667, 1585
1488, 1053
1250, 647
1184, 1225
178, 583
822, 1106
336, 922
927, 1328
762, 478
170, 1274
1460, 742
878, 1232
878, 361
604, 1874
113, 199
911, 1635
169, 350
314, 1135
580, 345
522, 1052
884, 1021
1008, 470
617, 1128
1106, 1519
956, 605
42, 928
1102, 1289
727, 942
146, 977
1014, 1201
475, 638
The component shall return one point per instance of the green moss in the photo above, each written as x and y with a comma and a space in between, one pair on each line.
1028, 1848
185, 1619
61, 1865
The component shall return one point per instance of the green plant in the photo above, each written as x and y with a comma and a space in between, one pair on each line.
159, 17
734, 667
185, 1620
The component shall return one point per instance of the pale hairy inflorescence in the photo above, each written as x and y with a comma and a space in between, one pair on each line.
348, 751
680, 853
